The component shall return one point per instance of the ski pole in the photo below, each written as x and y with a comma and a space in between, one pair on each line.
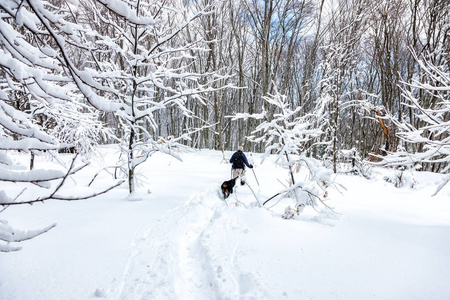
255, 177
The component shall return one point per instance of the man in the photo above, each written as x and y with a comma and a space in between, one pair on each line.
238, 168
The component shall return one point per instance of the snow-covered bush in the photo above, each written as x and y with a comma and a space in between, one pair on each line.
287, 135
354, 164
312, 190
402, 177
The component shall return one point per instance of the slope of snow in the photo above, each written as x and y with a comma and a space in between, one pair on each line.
182, 241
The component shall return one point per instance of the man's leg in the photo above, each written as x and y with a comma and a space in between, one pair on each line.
242, 174
235, 173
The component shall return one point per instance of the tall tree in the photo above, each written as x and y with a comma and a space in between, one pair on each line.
148, 72
339, 70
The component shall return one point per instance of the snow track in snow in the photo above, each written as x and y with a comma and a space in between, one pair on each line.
189, 254
181, 257
224, 255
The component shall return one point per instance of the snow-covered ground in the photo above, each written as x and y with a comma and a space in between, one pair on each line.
181, 241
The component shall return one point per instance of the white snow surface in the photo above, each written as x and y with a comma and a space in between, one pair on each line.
177, 239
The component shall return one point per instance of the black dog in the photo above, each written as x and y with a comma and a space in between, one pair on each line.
227, 187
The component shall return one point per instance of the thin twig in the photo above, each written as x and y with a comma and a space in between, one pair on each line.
259, 204
65, 177
282, 183
104, 169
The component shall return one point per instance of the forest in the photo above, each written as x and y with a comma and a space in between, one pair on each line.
342, 108
365, 77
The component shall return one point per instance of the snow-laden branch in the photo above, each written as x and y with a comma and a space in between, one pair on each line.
35, 175
45, 176
19, 123
59, 197
59, 58
7, 143
9, 235
127, 12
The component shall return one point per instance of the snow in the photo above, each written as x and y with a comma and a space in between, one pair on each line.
31, 175
124, 10
176, 239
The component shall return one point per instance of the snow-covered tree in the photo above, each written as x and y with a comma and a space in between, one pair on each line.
287, 135
432, 137
39, 82
121, 57
140, 56
338, 73
38, 43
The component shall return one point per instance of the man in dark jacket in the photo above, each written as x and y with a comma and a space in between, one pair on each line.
239, 161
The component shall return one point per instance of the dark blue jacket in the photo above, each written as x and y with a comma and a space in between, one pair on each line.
243, 158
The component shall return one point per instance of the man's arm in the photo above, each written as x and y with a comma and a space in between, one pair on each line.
244, 158
232, 157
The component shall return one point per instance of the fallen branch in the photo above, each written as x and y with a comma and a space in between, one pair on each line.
277, 194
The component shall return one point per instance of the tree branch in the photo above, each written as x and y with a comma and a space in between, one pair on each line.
62, 198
